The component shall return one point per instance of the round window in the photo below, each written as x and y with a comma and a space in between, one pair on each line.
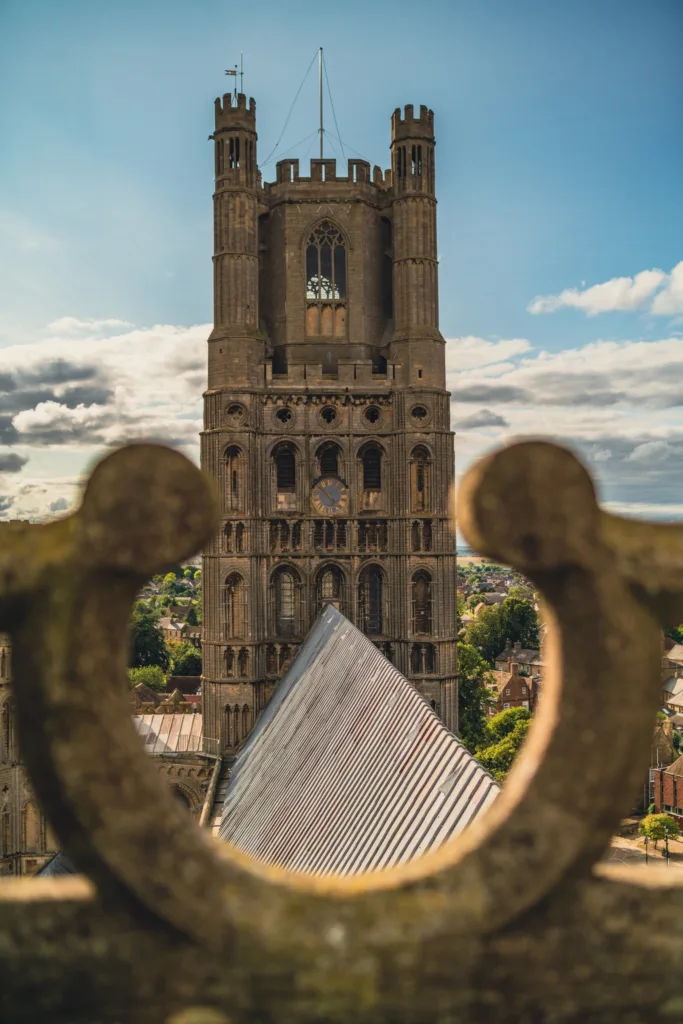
235, 413
419, 413
284, 415
372, 414
328, 414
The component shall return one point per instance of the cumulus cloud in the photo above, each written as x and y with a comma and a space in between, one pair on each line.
655, 290
482, 419
618, 404
10, 462
59, 505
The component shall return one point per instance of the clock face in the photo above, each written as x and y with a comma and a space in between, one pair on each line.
330, 496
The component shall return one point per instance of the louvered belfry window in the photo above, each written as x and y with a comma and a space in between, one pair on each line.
422, 603
326, 282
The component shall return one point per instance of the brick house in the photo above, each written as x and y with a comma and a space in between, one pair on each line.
668, 790
512, 690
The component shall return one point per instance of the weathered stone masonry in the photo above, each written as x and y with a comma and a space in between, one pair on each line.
326, 363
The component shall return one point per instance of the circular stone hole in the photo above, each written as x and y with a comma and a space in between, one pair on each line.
419, 413
328, 414
235, 412
372, 414
284, 415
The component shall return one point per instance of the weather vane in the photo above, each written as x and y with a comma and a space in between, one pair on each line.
234, 72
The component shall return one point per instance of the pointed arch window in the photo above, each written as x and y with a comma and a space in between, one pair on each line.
234, 596
326, 282
8, 731
420, 478
285, 601
329, 587
372, 469
370, 600
422, 603
233, 478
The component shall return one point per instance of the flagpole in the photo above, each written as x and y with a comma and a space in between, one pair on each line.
320, 92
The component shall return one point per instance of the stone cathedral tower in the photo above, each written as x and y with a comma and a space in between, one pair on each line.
327, 423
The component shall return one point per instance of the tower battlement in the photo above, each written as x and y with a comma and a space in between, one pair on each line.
325, 170
411, 127
234, 113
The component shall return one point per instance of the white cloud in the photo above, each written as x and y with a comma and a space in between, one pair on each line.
469, 351
620, 293
669, 302
72, 325
655, 290
650, 451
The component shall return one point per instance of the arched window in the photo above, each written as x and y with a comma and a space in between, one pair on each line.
236, 725
8, 732
371, 458
243, 661
32, 828
227, 534
426, 535
420, 479
329, 587
3, 663
326, 282
229, 662
271, 660
233, 478
234, 606
416, 537
370, 610
5, 832
182, 798
227, 726
422, 603
285, 594
285, 470
239, 538
328, 457
246, 719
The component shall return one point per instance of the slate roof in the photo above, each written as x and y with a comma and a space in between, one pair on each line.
348, 769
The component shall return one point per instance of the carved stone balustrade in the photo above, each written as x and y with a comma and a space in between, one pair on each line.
516, 920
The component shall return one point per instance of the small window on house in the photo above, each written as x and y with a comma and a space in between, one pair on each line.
507, 692
285, 469
505, 707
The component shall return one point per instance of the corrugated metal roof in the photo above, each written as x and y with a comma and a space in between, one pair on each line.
348, 769
172, 733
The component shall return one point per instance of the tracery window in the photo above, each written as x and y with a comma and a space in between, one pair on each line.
329, 587
326, 282
370, 595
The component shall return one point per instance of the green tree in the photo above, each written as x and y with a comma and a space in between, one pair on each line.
659, 826
505, 734
147, 645
675, 633
192, 619
150, 675
512, 620
189, 573
169, 584
186, 661
521, 592
198, 576
474, 699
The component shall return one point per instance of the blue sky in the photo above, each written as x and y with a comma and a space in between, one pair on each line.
560, 145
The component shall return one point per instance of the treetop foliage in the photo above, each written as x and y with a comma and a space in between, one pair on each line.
659, 826
513, 620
